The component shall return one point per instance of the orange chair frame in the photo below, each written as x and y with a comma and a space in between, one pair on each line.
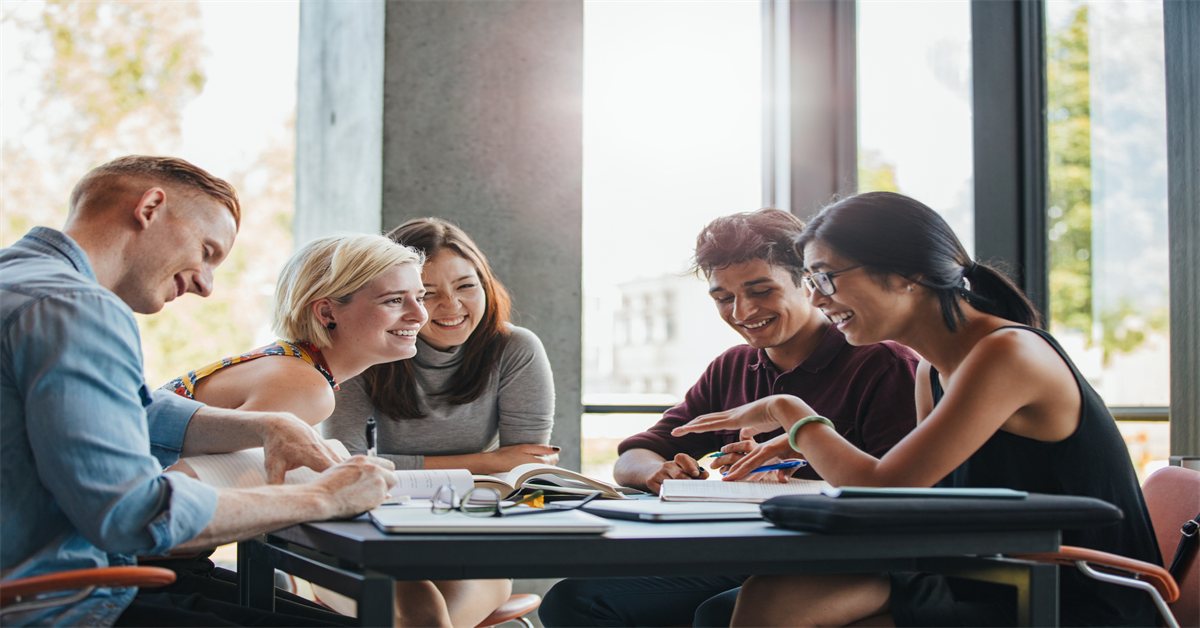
26, 593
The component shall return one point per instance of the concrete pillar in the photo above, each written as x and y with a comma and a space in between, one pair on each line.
483, 125
339, 119
471, 111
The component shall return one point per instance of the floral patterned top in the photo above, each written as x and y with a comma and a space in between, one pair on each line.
186, 386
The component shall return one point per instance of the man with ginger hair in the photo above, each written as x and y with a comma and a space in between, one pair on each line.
83, 441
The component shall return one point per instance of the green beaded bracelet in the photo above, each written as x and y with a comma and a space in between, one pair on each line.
801, 423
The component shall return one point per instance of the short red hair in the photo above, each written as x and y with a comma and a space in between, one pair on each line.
104, 180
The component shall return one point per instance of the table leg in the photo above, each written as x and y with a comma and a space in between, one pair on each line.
1036, 583
375, 602
256, 578
1037, 602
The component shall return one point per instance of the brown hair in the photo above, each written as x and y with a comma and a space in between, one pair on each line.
105, 181
392, 387
767, 234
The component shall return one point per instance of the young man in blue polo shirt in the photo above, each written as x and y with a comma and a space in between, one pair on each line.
755, 279
83, 441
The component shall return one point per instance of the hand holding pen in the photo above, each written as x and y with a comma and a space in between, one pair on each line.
771, 459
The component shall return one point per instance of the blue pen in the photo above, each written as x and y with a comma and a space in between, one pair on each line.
786, 464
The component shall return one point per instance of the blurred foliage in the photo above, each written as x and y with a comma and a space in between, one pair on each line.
875, 174
1070, 171
113, 79
1117, 329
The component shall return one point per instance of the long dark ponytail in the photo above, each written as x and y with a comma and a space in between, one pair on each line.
892, 233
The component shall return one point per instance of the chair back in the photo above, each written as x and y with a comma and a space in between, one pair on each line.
1173, 497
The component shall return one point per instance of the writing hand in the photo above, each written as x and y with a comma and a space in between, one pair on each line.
682, 467
354, 486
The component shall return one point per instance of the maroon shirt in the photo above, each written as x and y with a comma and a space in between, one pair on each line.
866, 391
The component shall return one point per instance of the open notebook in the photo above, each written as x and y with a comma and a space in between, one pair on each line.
244, 469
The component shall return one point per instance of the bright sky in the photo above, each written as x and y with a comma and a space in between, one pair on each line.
914, 73
251, 91
672, 122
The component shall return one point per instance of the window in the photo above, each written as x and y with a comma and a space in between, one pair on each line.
1107, 207
672, 140
914, 106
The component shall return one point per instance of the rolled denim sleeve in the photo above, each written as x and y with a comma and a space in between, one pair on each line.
168, 415
87, 403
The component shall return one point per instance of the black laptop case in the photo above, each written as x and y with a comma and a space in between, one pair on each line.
866, 515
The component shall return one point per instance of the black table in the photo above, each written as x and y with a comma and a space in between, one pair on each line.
355, 559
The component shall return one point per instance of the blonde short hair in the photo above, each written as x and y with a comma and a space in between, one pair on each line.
334, 268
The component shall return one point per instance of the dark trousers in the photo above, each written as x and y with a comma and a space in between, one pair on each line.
208, 597
679, 601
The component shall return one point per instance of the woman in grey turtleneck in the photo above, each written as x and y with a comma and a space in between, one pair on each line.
479, 394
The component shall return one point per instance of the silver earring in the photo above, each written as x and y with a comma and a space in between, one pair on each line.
910, 287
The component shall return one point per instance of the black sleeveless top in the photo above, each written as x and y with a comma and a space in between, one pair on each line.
1092, 462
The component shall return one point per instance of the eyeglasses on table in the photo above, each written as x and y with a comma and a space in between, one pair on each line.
487, 502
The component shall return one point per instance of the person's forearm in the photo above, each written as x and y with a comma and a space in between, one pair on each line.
475, 463
244, 513
837, 460
634, 467
217, 430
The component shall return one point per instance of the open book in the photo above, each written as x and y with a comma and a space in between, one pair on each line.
748, 492
552, 480
244, 469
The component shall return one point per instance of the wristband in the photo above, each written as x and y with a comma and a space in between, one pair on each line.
801, 423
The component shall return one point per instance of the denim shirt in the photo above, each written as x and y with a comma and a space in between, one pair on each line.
83, 442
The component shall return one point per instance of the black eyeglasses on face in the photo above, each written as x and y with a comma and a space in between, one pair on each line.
823, 282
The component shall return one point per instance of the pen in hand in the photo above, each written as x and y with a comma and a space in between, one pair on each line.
371, 436
786, 464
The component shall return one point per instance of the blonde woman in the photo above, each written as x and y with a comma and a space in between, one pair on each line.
343, 303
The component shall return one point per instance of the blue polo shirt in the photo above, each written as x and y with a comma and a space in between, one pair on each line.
83, 441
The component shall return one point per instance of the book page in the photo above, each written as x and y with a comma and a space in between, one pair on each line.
493, 482
750, 492
563, 480
423, 483
245, 468
553, 475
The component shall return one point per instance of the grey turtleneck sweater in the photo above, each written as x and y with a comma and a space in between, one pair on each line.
516, 408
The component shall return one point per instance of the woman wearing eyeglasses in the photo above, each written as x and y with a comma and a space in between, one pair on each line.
999, 404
